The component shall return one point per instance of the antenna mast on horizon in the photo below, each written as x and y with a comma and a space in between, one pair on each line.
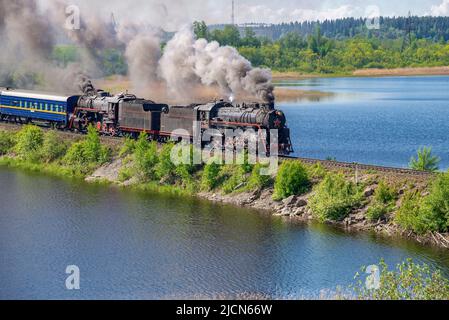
233, 13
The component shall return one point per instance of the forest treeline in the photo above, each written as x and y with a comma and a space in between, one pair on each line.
329, 47
325, 51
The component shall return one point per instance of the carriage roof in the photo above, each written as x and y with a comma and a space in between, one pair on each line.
35, 95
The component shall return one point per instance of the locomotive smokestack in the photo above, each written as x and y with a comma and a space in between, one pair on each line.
85, 85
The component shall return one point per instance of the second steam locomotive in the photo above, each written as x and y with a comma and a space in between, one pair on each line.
125, 114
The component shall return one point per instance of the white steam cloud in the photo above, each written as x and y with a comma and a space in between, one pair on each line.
186, 62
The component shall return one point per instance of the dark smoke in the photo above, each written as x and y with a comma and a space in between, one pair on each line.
186, 63
85, 84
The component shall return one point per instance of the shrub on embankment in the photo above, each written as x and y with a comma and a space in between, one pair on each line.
409, 281
34, 149
334, 198
6, 142
292, 179
88, 152
383, 202
429, 213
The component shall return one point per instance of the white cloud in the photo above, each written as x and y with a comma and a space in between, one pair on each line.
263, 13
440, 10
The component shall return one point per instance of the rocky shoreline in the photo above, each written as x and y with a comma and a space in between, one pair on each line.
294, 208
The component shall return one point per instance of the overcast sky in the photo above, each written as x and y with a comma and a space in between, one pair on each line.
174, 13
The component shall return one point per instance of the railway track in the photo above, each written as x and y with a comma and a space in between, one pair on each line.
363, 167
326, 163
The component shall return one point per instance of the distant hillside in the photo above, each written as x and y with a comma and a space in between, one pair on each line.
432, 28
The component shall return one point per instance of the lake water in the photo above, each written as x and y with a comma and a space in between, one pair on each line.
382, 121
135, 246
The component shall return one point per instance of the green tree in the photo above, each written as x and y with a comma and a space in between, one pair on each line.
319, 44
293, 40
113, 62
250, 39
425, 161
229, 36
65, 54
201, 30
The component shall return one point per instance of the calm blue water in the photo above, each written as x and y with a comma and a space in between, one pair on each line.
136, 246
381, 121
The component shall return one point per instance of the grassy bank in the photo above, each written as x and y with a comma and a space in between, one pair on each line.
376, 202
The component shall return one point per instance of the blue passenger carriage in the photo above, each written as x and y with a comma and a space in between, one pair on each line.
26, 106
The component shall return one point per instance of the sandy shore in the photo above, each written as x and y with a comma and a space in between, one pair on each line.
429, 71
158, 92
423, 71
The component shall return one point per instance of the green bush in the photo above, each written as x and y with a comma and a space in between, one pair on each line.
146, 157
234, 176
53, 148
384, 194
6, 142
29, 142
409, 281
411, 216
383, 203
125, 174
88, 152
423, 215
377, 211
292, 179
129, 145
94, 151
185, 171
257, 181
165, 167
75, 154
210, 178
436, 205
334, 198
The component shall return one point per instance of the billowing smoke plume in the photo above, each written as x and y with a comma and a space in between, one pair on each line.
26, 41
27, 46
142, 53
188, 61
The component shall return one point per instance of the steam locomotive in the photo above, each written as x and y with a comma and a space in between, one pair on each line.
125, 114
